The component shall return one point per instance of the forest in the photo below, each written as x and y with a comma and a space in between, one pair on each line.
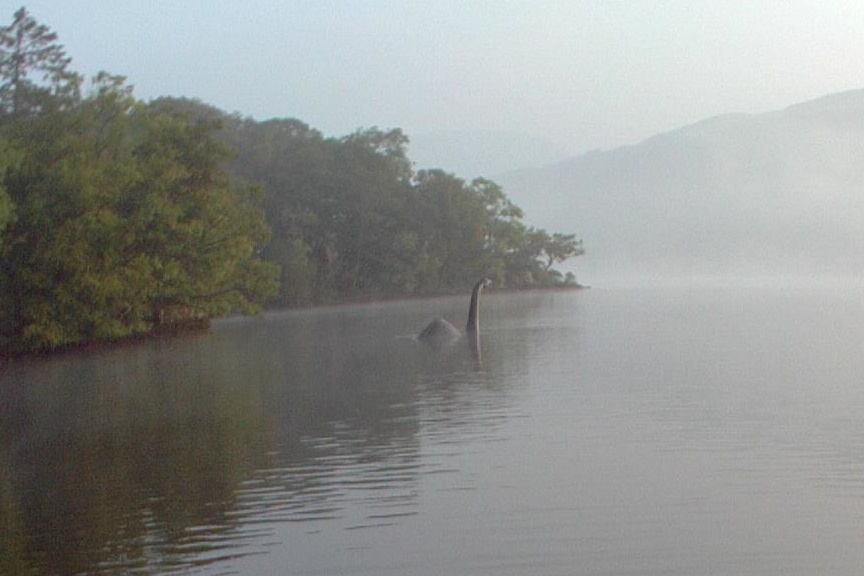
120, 217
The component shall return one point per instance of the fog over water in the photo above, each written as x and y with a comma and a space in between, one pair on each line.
652, 431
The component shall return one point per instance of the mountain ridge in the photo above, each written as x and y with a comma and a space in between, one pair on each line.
779, 191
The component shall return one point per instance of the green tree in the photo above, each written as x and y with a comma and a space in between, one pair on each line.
7, 156
201, 234
122, 216
294, 164
336, 207
368, 179
33, 67
350, 218
62, 264
561, 247
451, 220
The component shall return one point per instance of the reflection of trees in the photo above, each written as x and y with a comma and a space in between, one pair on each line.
13, 536
167, 454
342, 403
117, 463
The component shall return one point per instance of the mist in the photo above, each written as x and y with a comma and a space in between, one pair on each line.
774, 195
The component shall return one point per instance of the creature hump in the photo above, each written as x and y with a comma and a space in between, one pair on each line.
440, 330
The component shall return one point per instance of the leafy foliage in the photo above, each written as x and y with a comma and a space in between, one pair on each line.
28, 48
121, 215
118, 217
352, 219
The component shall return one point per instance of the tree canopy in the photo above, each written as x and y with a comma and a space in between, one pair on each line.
351, 218
118, 217
34, 67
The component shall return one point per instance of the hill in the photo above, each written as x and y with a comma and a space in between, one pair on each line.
777, 193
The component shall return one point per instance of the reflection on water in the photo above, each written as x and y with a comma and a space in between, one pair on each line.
601, 432
176, 454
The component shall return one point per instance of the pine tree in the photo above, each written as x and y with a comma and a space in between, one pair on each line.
33, 68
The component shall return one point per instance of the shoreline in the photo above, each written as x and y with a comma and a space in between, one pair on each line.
202, 326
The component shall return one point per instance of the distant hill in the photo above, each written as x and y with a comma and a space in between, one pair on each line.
765, 194
472, 154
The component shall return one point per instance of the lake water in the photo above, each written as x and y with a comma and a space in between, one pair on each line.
673, 431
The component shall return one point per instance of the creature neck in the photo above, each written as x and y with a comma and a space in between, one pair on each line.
474, 309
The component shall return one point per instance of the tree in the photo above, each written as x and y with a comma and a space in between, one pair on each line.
33, 67
350, 218
64, 263
561, 247
6, 206
125, 219
366, 186
336, 207
201, 233
451, 220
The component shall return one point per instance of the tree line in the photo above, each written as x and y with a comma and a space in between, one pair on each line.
118, 217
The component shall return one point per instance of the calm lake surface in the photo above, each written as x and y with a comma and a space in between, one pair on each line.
673, 431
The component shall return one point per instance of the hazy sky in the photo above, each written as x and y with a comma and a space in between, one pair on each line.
584, 74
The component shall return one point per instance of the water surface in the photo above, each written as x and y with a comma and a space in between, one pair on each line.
672, 431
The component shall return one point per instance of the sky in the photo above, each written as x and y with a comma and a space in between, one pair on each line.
584, 74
